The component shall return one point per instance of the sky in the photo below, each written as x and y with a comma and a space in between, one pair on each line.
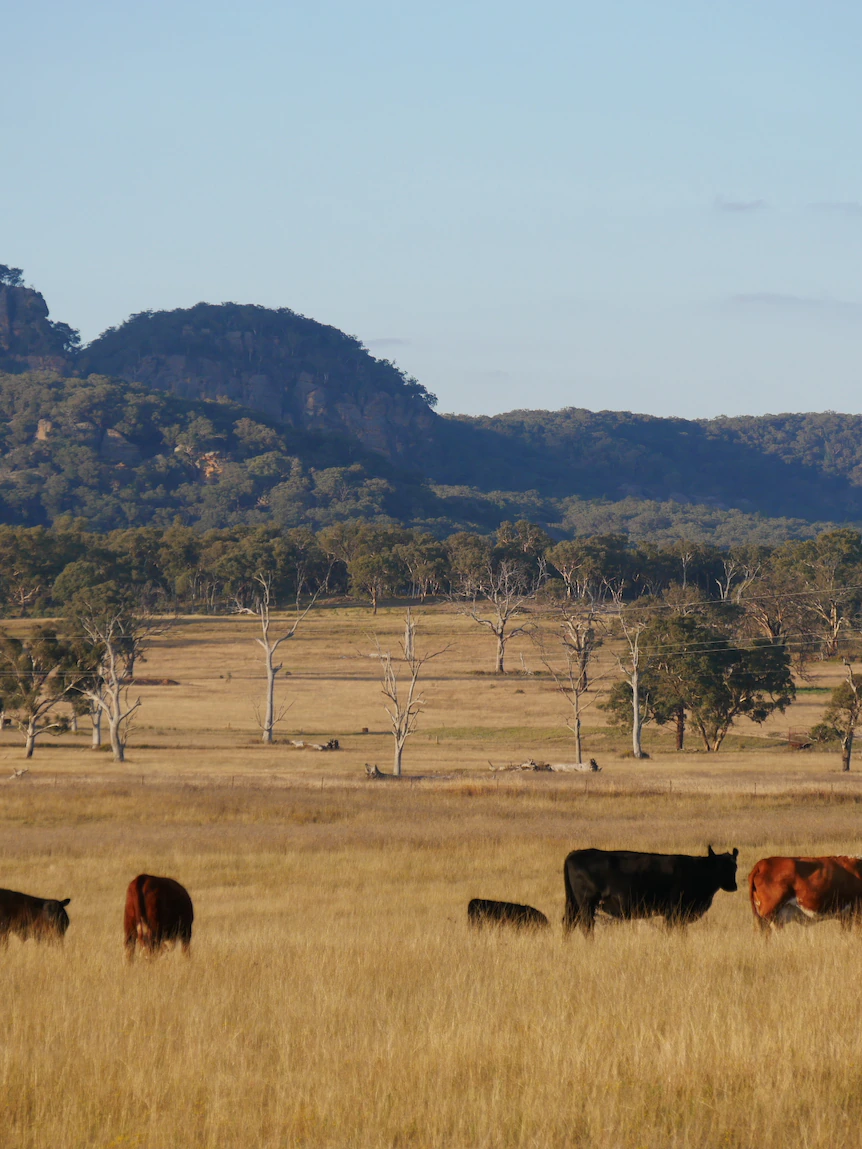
652, 207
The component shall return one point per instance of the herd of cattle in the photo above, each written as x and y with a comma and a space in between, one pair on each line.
158, 911
617, 883
680, 888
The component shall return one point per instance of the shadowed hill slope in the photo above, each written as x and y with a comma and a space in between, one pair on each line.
803, 465
303, 373
345, 434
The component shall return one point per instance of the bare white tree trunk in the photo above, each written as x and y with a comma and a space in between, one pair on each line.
118, 745
270, 645
409, 636
110, 696
96, 720
506, 589
578, 636
403, 701
30, 743
637, 725
631, 669
576, 705
500, 666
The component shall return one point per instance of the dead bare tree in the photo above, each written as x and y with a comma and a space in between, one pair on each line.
632, 624
270, 644
409, 635
578, 633
107, 689
739, 571
112, 637
404, 701
499, 596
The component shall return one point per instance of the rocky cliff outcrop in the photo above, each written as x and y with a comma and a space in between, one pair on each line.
306, 374
29, 341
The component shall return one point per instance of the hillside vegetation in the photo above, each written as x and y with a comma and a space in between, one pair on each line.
234, 413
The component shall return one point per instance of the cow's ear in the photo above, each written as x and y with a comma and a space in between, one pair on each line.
735, 852
710, 853
65, 901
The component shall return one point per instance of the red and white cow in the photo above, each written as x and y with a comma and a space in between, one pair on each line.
786, 890
158, 910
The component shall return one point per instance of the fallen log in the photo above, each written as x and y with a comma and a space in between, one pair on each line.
550, 767
375, 773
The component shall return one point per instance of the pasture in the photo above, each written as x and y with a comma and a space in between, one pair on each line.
334, 995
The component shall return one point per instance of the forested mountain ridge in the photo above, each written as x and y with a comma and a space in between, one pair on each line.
303, 373
807, 465
343, 434
117, 454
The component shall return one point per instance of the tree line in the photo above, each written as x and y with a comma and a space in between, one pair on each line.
707, 635
806, 592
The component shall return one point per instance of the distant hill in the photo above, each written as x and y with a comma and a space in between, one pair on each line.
296, 421
300, 372
807, 466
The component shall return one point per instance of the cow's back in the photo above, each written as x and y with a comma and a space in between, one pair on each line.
632, 884
629, 878
157, 910
784, 889
32, 917
487, 911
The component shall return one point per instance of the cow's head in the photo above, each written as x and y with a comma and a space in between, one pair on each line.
724, 868
55, 920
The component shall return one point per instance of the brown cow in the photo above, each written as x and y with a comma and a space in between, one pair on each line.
786, 890
44, 919
158, 910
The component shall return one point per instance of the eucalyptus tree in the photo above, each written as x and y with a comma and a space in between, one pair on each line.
567, 654
404, 699
113, 632
270, 642
845, 713
37, 673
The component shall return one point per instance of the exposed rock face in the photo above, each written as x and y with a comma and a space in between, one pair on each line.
29, 341
304, 373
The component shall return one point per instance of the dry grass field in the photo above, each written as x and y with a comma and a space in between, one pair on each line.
334, 995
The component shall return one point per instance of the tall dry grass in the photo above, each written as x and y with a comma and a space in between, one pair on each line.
335, 996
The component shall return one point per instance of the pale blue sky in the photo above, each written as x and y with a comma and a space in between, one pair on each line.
653, 206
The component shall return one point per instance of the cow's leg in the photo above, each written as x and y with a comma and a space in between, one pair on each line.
129, 943
586, 915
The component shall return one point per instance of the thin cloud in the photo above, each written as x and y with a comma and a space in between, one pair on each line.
737, 206
387, 342
783, 301
851, 207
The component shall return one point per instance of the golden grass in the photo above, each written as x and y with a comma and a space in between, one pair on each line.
335, 996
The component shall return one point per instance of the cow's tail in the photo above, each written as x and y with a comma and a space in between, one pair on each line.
137, 926
753, 896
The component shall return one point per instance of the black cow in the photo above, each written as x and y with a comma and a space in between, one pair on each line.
628, 884
485, 912
44, 919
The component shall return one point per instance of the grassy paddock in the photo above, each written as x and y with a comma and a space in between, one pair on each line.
335, 996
